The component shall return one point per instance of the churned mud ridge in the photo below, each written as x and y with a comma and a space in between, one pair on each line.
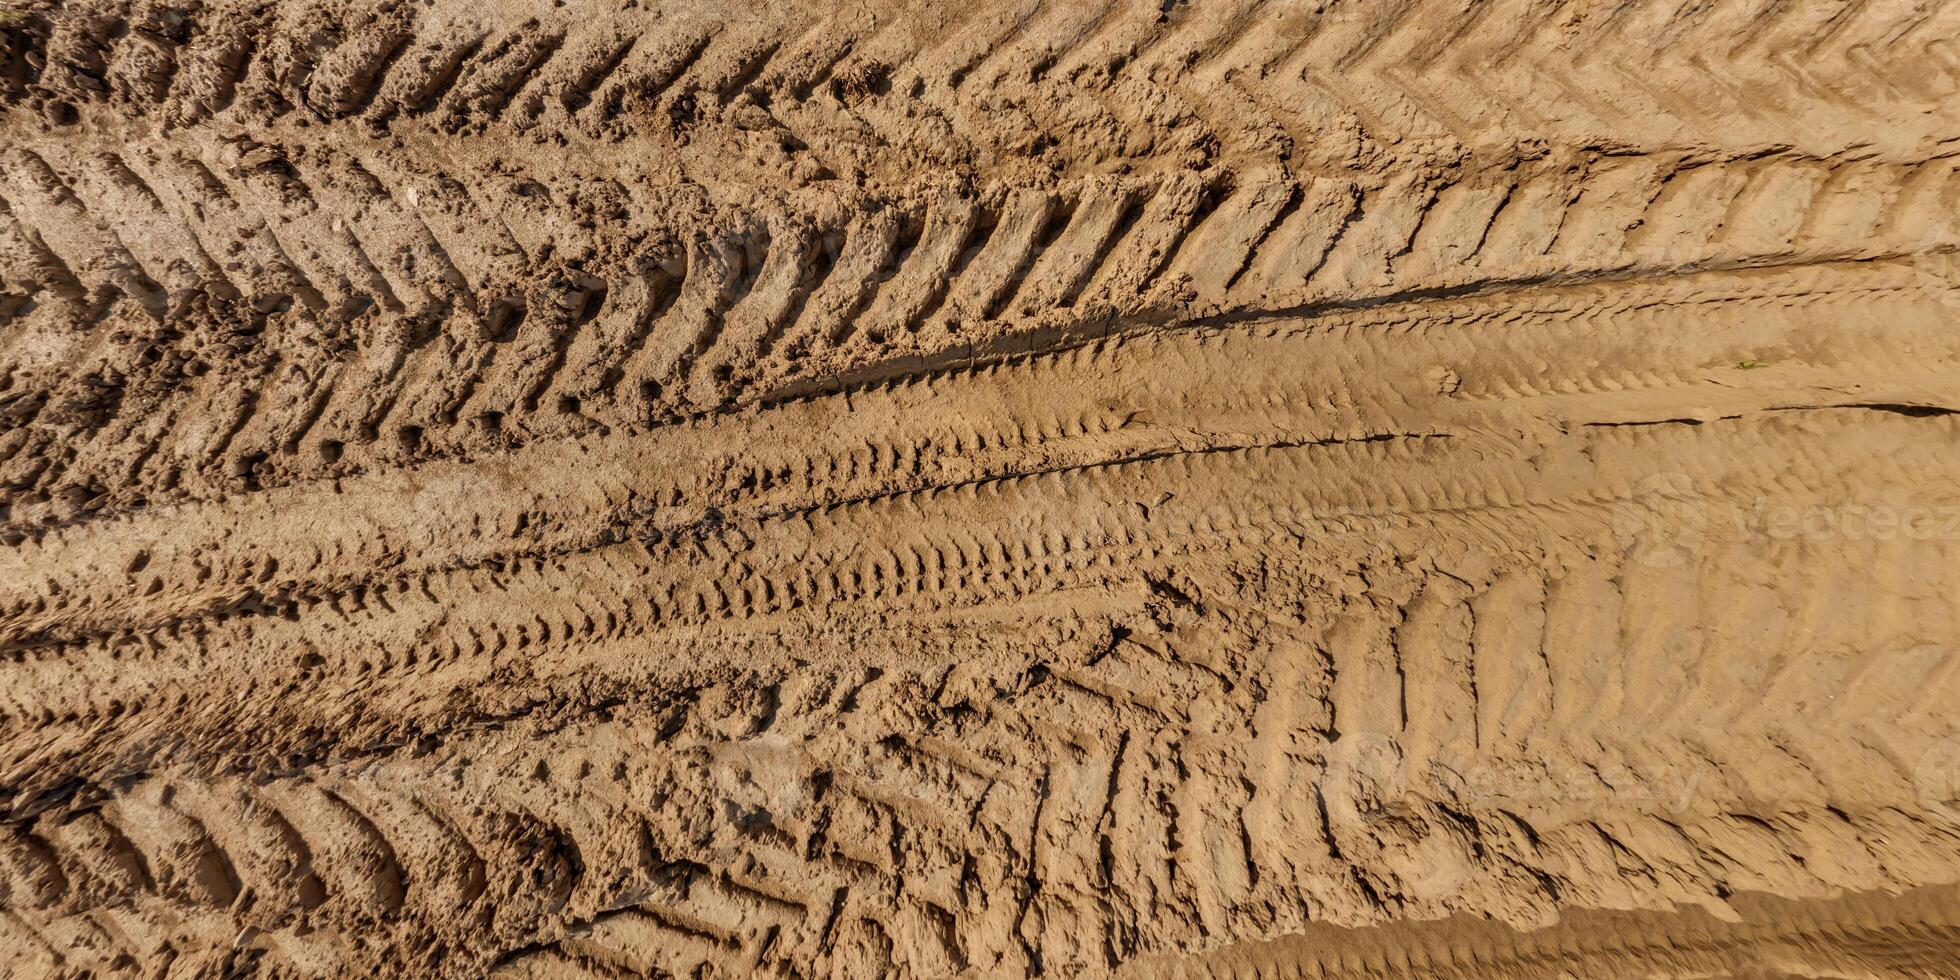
1416, 442
860, 92
1409, 369
1106, 720
343, 260
376, 326
1167, 758
994, 488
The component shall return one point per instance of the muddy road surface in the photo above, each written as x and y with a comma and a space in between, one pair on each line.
1366, 488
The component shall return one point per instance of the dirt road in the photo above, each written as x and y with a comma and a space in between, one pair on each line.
1367, 488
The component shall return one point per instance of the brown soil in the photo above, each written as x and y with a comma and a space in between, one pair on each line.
1367, 488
